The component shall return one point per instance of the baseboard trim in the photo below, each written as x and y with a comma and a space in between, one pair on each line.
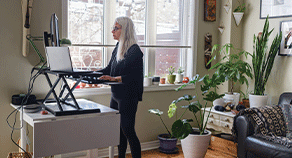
144, 146
104, 152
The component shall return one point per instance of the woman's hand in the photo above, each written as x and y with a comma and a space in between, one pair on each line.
109, 78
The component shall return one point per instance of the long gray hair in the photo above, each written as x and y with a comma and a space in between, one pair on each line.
127, 37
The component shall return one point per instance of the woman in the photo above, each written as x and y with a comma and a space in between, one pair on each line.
126, 67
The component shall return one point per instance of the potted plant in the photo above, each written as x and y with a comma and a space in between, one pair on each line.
171, 76
245, 99
179, 75
65, 42
238, 13
262, 63
167, 141
195, 141
232, 67
147, 80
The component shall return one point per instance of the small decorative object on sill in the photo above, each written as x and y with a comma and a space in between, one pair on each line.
147, 80
65, 42
185, 80
156, 80
208, 50
179, 75
162, 80
171, 76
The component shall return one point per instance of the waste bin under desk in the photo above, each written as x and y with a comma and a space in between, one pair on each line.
54, 135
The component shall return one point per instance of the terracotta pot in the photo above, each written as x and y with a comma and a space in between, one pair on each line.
162, 80
245, 103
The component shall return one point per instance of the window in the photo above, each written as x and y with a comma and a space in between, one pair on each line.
164, 29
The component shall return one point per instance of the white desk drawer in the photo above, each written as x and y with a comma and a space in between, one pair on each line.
226, 125
212, 121
214, 116
226, 119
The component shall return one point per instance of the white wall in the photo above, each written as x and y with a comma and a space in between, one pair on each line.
15, 69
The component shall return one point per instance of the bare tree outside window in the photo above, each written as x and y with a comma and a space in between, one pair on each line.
86, 27
86, 21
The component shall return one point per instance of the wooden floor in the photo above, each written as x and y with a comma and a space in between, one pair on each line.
218, 148
155, 153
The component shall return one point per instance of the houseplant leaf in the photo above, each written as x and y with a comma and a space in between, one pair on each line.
181, 129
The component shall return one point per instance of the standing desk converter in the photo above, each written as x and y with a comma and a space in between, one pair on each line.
53, 135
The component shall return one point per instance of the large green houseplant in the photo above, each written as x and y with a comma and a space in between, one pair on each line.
195, 141
181, 128
166, 140
232, 67
263, 61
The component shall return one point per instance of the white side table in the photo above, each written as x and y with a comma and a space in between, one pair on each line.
219, 121
53, 135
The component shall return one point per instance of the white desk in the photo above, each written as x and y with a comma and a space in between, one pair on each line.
53, 135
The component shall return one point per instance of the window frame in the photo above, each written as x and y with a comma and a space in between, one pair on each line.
187, 59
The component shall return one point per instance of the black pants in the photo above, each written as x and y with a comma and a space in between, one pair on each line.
127, 107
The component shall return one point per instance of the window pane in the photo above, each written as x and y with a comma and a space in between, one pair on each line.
87, 58
85, 21
135, 9
169, 28
166, 57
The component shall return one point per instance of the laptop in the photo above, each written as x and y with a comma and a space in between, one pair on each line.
59, 60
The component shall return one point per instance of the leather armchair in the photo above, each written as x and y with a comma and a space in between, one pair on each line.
249, 146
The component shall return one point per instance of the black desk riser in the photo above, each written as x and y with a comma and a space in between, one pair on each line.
66, 105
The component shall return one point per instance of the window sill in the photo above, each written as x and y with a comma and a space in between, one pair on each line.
107, 90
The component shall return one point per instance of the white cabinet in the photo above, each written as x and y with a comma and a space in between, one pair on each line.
219, 121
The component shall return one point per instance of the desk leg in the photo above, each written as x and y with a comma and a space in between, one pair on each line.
111, 152
22, 133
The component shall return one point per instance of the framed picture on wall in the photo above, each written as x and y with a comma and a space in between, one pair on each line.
275, 8
210, 10
286, 43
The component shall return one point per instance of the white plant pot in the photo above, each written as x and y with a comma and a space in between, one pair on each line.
179, 78
219, 101
238, 16
226, 7
147, 81
235, 96
195, 146
257, 100
221, 29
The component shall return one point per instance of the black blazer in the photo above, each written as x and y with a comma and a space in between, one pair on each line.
131, 70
